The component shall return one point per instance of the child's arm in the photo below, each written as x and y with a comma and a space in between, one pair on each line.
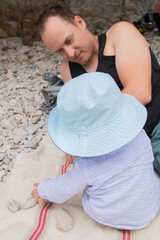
59, 190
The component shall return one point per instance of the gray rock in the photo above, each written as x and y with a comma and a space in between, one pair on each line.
3, 34
13, 205
2, 174
64, 221
32, 129
2, 156
6, 167
6, 161
30, 202
22, 57
1, 143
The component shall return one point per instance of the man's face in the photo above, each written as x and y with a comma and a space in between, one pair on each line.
71, 42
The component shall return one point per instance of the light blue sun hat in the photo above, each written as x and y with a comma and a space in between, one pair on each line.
93, 117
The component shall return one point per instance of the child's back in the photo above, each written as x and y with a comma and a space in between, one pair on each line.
123, 190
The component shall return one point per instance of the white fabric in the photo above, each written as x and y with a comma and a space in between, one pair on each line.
46, 163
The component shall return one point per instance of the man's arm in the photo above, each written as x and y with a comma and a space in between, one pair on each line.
65, 71
133, 61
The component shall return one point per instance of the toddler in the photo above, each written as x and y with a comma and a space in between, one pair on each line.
94, 121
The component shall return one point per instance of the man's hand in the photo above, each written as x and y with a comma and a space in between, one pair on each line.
37, 197
70, 158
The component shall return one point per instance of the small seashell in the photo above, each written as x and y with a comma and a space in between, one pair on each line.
64, 220
13, 205
29, 203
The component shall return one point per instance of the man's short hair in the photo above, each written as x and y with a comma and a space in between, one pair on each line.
60, 10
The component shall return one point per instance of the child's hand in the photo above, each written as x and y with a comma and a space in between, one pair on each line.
70, 158
37, 197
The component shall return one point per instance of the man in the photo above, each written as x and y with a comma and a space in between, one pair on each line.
122, 52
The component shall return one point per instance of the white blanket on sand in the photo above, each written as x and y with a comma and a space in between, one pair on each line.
32, 224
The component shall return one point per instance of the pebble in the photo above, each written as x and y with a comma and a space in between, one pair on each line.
13, 205
64, 221
3, 173
30, 202
22, 124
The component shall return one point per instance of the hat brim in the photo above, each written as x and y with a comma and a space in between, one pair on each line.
104, 138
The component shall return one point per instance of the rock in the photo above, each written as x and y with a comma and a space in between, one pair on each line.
16, 140
22, 57
1, 143
12, 42
32, 130
24, 50
3, 43
8, 75
3, 33
30, 202
2, 156
4, 58
2, 174
5, 178
19, 133
64, 221
6, 161
5, 123
5, 167
13, 205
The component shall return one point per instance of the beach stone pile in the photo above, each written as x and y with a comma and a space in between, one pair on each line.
22, 123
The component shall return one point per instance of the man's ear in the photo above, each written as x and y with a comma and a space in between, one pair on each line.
79, 21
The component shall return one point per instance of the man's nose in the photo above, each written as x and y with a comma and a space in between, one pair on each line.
70, 51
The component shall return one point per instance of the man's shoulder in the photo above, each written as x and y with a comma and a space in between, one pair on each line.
120, 27
120, 31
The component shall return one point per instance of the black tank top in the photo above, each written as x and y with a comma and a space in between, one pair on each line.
106, 64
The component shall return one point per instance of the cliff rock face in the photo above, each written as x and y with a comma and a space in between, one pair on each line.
18, 17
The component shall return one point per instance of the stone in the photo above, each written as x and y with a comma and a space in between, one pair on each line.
5, 123
64, 221
13, 42
3, 33
5, 178
19, 133
5, 167
13, 205
6, 161
2, 156
3, 43
1, 142
30, 202
2, 174
4, 58
32, 130
24, 50
22, 57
